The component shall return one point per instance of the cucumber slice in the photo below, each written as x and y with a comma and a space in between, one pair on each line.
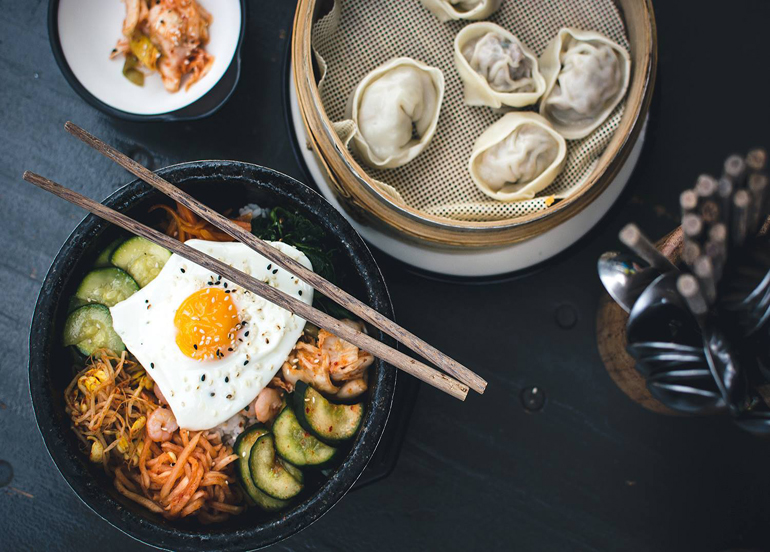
90, 328
142, 259
331, 423
242, 448
75, 304
268, 472
103, 260
106, 286
296, 445
293, 470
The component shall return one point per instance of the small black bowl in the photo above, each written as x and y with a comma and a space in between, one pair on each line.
220, 184
207, 105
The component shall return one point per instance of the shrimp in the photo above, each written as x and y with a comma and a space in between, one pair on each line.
278, 383
352, 389
161, 425
267, 404
159, 394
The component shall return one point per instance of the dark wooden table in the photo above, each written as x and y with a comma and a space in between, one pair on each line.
590, 471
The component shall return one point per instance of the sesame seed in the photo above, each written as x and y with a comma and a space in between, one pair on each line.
275, 271
212, 393
300, 292
152, 365
203, 377
227, 379
181, 270
246, 334
245, 362
270, 266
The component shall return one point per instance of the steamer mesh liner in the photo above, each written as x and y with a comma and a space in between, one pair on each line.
360, 35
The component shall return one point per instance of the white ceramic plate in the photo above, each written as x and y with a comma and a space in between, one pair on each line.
472, 263
89, 30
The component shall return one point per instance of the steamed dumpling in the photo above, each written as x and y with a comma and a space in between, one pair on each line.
396, 109
501, 62
586, 77
496, 68
516, 157
447, 10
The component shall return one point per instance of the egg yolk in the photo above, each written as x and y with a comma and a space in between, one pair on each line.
207, 323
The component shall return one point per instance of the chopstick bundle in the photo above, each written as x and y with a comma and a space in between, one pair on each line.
718, 215
315, 316
365, 312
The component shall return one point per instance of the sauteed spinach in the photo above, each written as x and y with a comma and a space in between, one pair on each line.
294, 229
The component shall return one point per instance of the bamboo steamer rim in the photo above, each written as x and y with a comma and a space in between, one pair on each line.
358, 192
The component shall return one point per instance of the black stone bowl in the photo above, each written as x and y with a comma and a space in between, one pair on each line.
222, 185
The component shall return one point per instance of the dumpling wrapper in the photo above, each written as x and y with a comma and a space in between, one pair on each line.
389, 105
586, 75
478, 90
447, 10
516, 157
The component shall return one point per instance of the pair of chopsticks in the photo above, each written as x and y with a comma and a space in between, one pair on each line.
451, 386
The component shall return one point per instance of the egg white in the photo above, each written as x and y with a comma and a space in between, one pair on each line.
205, 393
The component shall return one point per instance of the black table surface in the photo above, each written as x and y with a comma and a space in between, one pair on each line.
590, 471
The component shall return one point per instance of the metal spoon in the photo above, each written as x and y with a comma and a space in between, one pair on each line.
661, 314
623, 278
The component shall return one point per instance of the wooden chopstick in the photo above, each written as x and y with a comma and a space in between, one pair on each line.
322, 320
365, 312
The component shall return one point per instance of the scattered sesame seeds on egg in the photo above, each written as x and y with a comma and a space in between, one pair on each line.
204, 329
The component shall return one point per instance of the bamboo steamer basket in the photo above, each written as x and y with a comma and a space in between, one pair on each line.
364, 201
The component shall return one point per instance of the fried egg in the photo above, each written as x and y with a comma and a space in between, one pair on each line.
210, 345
